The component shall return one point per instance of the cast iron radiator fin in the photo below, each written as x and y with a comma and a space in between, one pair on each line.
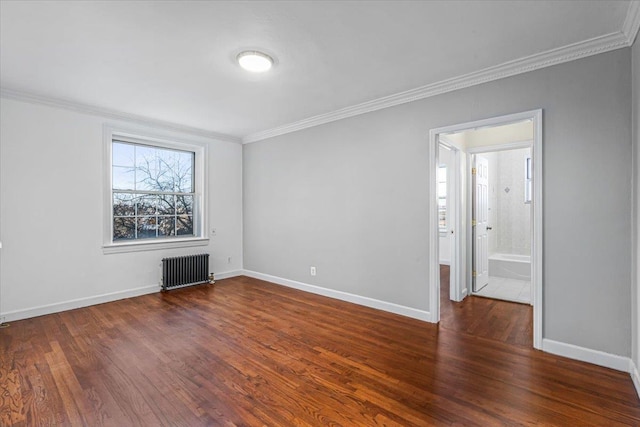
181, 271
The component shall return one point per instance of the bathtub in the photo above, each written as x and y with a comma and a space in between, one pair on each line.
510, 266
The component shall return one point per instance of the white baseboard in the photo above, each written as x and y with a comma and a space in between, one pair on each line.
228, 274
344, 296
114, 296
635, 376
11, 316
600, 358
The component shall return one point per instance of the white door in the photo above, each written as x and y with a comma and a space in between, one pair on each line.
480, 216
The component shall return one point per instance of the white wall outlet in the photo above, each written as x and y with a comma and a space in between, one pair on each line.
213, 231
312, 271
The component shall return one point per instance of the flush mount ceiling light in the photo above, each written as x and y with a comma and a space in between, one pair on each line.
254, 61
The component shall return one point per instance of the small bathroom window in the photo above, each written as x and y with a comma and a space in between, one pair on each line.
527, 180
442, 199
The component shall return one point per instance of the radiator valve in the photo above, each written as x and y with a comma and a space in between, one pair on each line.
211, 279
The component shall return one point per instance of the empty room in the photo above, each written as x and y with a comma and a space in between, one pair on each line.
314, 213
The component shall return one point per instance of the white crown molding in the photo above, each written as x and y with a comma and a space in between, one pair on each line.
112, 114
549, 58
632, 22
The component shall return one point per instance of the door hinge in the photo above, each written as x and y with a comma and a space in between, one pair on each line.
473, 223
473, 171
474, 274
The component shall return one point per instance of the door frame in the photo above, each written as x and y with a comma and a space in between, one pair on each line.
461, 238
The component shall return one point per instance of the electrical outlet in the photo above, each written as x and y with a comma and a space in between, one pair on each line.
213, 231
312, 271
229, 260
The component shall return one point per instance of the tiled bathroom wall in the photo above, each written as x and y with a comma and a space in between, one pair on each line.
509, 215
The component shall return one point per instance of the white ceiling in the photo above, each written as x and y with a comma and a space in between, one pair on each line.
174, 61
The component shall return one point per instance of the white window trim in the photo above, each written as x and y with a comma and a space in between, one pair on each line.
143, 136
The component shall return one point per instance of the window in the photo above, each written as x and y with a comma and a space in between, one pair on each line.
154, 194
442, 198
527, 180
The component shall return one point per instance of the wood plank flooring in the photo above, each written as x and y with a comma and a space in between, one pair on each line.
504, 321
250, 353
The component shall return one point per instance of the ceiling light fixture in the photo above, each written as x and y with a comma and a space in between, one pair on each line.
254, 61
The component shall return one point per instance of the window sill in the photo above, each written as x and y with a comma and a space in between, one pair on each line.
116, 248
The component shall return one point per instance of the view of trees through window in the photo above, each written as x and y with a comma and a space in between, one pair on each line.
153, 192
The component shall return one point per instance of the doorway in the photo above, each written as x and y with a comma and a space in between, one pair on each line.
501, 219
467, 258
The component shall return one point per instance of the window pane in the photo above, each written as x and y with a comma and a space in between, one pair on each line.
124, 228
147, 204
442, 189
442, 197
166, 226
164, 170
184, 225
527, 180
123, 178
184, 169
166, 204
123, 204
147, 171
122, 155
145, 154
168, 168
147, 227
184, 204
442, 222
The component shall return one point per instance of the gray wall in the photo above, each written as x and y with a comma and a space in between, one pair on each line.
350, 197
636, 179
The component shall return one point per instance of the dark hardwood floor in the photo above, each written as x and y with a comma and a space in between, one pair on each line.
250, 353
504, 321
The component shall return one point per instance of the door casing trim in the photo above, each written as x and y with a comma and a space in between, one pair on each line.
460, 240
